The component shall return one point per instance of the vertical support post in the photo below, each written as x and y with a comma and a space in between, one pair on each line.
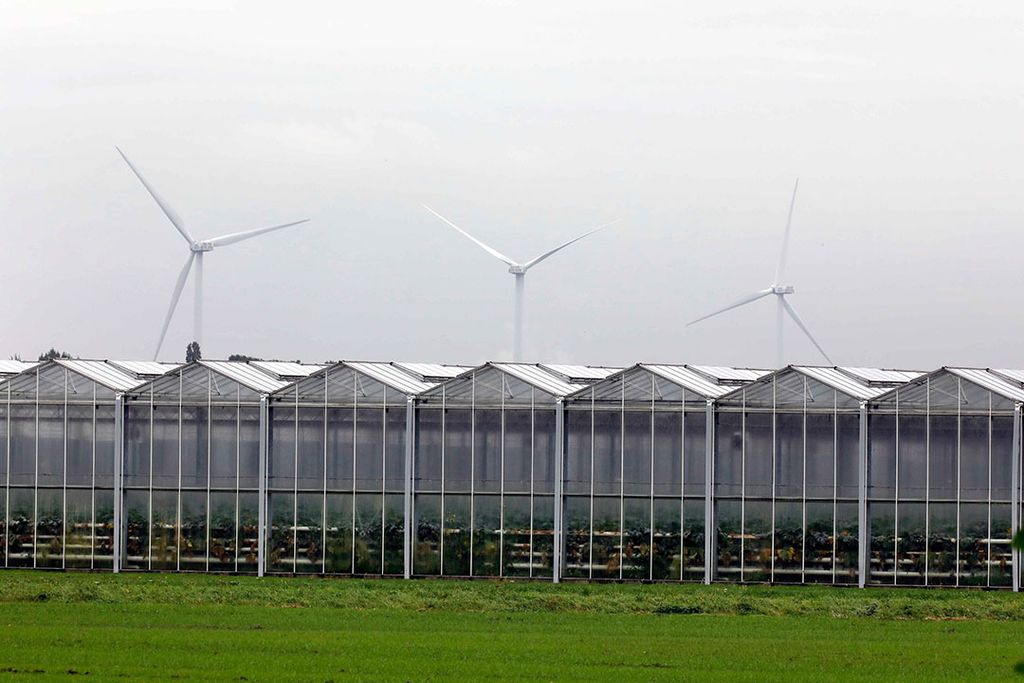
261, 541
120, 530
1015, 494
710, 536
556, 574
410, 449
863, 527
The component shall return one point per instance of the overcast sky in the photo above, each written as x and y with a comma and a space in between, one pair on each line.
526, 123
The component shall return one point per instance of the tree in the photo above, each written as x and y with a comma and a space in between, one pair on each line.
54, 353
193, 352
242, 357
1018, 540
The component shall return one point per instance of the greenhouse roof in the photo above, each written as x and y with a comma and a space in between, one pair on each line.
246, 375
391, 375
144, 368
537, 376
285, 370
103, 373
580, 374
432, 372
13, 367
726, 375
992, 381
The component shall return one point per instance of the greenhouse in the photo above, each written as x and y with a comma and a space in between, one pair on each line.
487, 444
837, 475
788, 457
944, 456
635, 464
337, 479
59, 458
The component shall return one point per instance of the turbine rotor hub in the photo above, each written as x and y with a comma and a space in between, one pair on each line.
517, 270
782, 289
200, 247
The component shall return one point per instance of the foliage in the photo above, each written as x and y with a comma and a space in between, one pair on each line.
242, 357
54, 354
1018, 540
193, 352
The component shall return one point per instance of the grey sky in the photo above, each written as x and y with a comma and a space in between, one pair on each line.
526, 123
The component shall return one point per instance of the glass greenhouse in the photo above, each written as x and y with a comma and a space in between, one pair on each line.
838, 475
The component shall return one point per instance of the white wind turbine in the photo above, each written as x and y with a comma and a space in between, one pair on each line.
196, 250
519, 271
780, 291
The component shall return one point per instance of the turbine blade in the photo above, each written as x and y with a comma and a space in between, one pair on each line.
785, 239
745, 300
164, 206
531, 264
493, 252
225, 240
178, 287
800, 324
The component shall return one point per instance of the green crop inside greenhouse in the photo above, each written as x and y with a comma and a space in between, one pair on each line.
835, 475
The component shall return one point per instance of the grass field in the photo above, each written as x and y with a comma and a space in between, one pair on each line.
196, 627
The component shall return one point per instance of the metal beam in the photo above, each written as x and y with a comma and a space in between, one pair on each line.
410, 449
710, 537
1015, 496
261, 538
556, 575
863, 526
120, 529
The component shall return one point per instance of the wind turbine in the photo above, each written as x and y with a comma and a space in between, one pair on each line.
196, 250
780, 291
519, 271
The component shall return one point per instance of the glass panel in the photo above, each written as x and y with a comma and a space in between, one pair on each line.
248, 448
883, 516
757, 543
667, 561
789, 542
21, 531
248, 532
51, 445
136, 547
427, 453
789, 455
136, 446
942, 534
224, 449
607, 452
163, 549
394, 534
882, 455
309, 540
636, 562
694, 456
847, 530
427, 557
577, 537
693, 540
103, 530
1000, 560
455, 558
105, 446
311, 449
729, 455
668, 452
542, 560
729, 527
974, 460
50, 528
821, 455
487, 536
165, 447
974, 544
607, 541
577, 454
79, 445
369, 539
543, 451
518, 455
847, 456
942, 444
80, 531
758, 456
223, 530
192, 555
338, 548
370, 455
341, 449
637, 453
819, 543
458, 454
1002, 457
195, 447
912, 467
282, 448
911, 543
281, 556
23, 445
394, 466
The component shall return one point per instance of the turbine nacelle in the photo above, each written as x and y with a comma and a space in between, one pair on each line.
782, 290
200, 247
517, 270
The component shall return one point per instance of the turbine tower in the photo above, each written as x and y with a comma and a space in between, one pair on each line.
196, 250
780, 291
519, 270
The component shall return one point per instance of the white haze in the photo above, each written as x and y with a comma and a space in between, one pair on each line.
526, 123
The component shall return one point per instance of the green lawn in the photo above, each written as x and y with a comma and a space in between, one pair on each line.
160, 627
